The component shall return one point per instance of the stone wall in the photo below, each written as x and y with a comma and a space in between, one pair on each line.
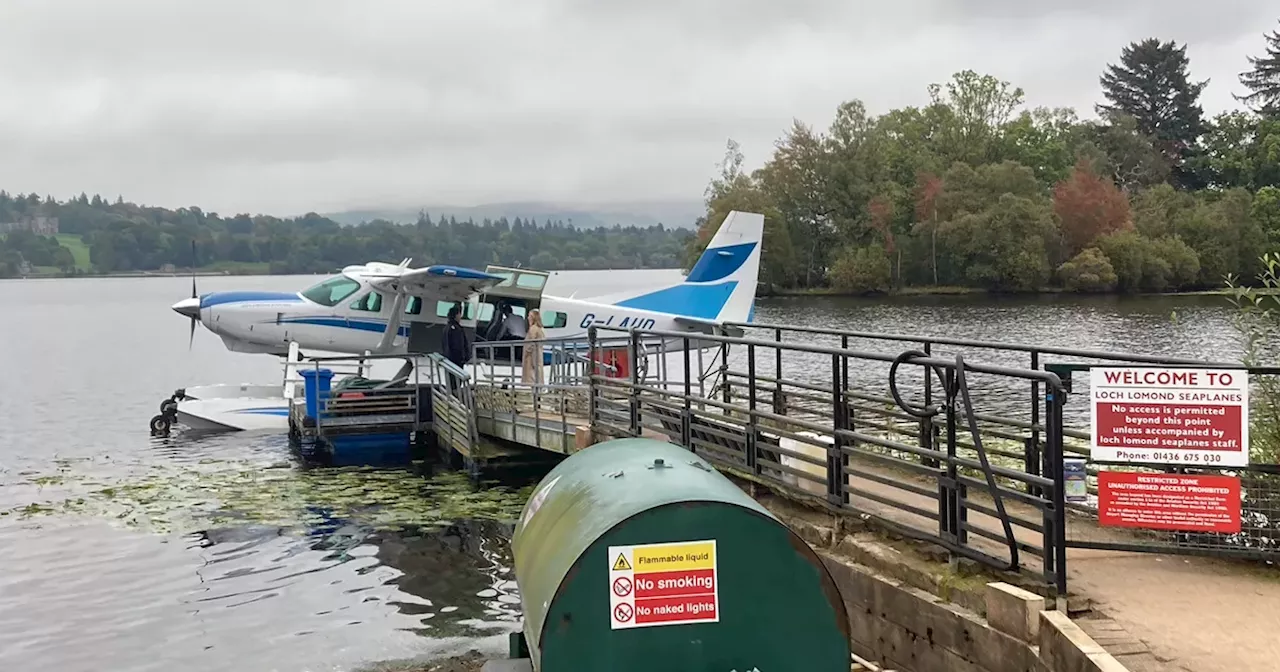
980, 627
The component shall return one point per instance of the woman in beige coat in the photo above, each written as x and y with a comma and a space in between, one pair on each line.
532, 362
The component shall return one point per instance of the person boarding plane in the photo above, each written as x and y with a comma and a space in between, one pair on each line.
384, 308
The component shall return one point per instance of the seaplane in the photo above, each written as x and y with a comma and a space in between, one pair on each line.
391, 309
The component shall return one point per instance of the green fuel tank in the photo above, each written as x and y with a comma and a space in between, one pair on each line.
636, 555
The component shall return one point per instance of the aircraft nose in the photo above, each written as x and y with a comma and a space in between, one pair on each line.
188, 308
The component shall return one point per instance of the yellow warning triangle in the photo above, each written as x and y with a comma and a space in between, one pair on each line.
621, 564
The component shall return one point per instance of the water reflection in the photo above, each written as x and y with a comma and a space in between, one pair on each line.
214, 599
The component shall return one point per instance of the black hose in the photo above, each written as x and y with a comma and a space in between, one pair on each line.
959, 387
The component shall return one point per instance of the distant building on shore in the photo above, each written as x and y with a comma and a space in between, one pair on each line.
39, 225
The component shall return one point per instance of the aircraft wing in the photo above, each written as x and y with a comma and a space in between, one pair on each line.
438, 282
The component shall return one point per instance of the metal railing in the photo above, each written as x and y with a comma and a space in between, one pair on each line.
453, 405
390, 405
943, 486
1020, 439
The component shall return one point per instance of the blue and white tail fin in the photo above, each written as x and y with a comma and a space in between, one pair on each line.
721, 286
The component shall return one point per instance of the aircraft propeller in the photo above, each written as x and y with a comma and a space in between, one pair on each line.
191, 338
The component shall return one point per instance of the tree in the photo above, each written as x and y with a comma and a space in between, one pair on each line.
1263, 79
1152, 85
862, 270
928, 188
977, 107
1089, 271
1088, 206
1266, 213
997, 222
1242, 149
1119, 149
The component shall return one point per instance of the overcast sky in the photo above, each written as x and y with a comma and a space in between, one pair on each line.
285, 106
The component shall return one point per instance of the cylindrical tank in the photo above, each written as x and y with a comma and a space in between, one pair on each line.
637, 555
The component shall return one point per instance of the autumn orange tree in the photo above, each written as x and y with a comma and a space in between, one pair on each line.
1088, 206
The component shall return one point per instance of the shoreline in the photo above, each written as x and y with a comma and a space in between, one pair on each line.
826, 292
764, 292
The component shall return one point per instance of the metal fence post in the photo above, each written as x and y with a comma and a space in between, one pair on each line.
1031, 457
840, 422
686, 418
1054, 402
724, 373
753, 433
779, 405
634, 347
928, 431
592, 388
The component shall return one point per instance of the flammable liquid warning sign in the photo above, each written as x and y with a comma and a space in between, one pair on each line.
663, 584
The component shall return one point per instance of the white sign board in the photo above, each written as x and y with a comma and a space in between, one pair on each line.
1170, 416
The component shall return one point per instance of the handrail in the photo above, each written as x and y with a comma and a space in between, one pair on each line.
990, 345
1046, 377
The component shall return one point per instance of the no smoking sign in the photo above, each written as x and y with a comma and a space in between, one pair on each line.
622, 586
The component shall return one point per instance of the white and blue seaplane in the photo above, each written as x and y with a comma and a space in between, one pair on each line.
391, 309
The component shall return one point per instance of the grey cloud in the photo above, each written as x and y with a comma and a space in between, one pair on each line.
293, 105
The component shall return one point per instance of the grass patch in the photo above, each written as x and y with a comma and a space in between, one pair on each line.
79, 251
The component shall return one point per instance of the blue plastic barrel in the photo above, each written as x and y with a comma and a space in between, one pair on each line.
316, 384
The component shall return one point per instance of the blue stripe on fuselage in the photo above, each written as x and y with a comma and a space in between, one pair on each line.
219, 298
347, 323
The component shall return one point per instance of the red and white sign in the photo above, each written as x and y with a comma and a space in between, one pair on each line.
663, 584
1182, 502
1170, 416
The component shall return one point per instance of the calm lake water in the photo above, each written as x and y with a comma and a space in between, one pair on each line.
123, 552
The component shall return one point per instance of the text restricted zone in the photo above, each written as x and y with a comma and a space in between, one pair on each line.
663, 584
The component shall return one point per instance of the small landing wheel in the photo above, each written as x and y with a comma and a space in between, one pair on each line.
160, 425
168, 405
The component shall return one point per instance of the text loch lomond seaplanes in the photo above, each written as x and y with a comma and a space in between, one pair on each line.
1170, 416
663, 584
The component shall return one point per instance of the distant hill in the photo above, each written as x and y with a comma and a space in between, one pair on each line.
673, 214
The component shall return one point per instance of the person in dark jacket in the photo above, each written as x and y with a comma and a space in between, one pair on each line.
456, 348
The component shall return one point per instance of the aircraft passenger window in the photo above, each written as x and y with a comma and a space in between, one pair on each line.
554, 319
371, 302
331, 291
530, 281
442, 309
486, 311
413, 306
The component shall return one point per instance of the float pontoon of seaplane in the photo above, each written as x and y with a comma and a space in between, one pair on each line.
388, 309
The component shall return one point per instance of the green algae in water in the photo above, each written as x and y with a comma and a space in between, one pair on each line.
191, 498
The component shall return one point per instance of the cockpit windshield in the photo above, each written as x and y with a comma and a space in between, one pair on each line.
332, 290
